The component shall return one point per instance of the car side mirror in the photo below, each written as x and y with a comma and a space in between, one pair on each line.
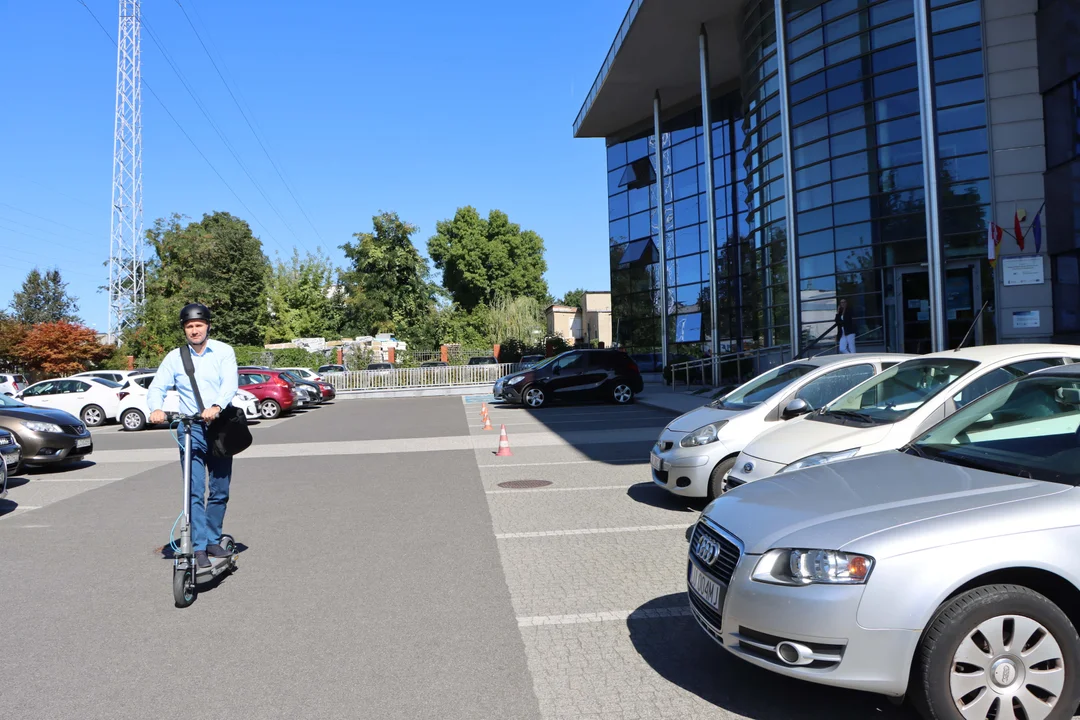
556, 370
795, 408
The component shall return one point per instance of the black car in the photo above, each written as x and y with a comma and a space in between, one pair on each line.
9, 459
574, 375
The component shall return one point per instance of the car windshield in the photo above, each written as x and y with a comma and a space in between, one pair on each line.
762, 387
6, 401
896, 393
1029, 428
106, 382
546, 362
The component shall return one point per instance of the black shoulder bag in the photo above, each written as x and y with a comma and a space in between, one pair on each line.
228, 434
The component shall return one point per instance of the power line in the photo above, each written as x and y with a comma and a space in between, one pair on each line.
185, 133
65, 243
228, 145
42, 217
249, 124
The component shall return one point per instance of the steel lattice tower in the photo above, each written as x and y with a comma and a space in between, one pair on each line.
126, 277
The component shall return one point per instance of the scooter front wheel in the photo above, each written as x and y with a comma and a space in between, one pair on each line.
227, 543
183, 587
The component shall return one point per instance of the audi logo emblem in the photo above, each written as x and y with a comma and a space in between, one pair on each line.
706, 549
748, 467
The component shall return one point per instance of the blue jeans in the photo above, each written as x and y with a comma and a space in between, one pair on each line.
207, 515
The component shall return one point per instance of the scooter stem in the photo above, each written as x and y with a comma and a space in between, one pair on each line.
185, 529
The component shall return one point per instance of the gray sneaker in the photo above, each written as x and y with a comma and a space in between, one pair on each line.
216, 551
201, 559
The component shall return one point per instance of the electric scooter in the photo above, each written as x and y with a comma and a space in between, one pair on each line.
187, 575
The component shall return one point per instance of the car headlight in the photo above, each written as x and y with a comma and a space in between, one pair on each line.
43, 427
245, 395
6, 440
703, 435
820, 459
813, 567
514, 380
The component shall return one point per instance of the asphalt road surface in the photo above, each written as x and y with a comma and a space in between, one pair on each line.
387, 571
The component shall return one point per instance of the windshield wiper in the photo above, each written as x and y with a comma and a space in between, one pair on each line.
861, 416
916, 450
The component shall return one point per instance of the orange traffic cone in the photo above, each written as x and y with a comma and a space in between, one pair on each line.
487, 423
504, 444
483, 409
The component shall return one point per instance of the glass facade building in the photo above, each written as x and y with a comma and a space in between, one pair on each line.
852, 158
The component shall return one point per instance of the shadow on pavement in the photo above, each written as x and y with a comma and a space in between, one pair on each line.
633, 428
648, 493
677, 649
7, 506
61, 468
14, 482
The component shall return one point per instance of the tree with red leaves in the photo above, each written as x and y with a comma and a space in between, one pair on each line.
61, 348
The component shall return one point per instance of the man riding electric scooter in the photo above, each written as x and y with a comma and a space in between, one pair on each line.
215, 376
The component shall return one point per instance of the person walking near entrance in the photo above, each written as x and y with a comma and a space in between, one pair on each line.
845, 324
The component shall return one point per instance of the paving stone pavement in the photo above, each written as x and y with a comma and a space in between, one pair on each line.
595, 562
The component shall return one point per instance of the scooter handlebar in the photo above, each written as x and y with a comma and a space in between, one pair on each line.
182, 417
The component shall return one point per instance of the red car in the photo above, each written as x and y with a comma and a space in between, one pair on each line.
328, 391
276, 394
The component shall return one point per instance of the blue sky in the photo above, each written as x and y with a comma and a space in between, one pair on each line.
418, 107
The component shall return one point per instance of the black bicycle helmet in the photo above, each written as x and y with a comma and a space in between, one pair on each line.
194, 311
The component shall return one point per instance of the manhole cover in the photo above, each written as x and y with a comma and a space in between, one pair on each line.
524, 484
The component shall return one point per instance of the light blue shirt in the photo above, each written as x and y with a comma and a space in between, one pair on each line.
215, 372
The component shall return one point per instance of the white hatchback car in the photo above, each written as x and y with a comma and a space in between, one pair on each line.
133, 411
890, 410
11, 384
93, 400
696, 450
302, 373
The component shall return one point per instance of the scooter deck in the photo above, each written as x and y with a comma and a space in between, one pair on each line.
217, 567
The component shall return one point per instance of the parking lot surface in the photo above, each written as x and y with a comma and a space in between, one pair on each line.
393, 567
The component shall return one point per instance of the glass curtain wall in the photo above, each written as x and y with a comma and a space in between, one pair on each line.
858, 156
761, 249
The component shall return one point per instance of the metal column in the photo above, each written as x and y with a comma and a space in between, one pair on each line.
789, 178
935, 263
710, 194
662, 228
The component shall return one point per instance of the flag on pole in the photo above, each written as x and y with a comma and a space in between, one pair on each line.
993, 239
1017, 217
1036, 230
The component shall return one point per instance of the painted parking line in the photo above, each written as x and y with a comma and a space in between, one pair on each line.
73, 479
566, 462
589, 531
609, 616
560, 489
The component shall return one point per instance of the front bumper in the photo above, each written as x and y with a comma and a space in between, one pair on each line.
684, 471
51, 448
755, 617
12, 455
511, 393
748, 469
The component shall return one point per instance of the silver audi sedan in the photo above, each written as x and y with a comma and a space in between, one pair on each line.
947, 572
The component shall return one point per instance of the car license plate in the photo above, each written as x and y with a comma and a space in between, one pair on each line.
706, 588
657, 461
83, 442
13, 458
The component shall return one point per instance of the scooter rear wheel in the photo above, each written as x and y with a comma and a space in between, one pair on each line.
227, 543
183, 588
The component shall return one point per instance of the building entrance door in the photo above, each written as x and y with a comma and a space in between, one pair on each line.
963, 297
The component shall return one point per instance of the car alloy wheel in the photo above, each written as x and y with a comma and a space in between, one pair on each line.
269, 409
622, 393
534, 397
133, 420
999, 651
93, 416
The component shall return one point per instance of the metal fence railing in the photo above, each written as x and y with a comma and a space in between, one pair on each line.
729, 368
421, 377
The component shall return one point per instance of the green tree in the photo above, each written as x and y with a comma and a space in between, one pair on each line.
519, 318
44, 299
216, 261
303, 300
573, 298
386, 287
483, 258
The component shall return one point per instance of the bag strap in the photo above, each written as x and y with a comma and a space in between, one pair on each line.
189, 368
